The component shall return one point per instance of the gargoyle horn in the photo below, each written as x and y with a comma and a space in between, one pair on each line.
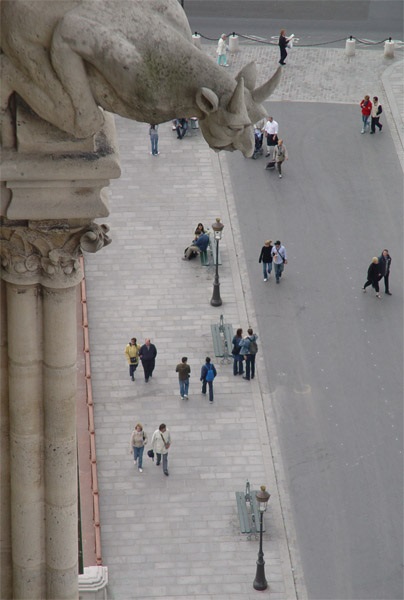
236, 104
249, 74
264, 91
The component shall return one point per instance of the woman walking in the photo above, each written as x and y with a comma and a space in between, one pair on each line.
138, 440
266, 259
154, 139
366, 108
374, 276
283, 44
280, 155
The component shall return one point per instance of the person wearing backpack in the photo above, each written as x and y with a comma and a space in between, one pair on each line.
208, 373
249, 348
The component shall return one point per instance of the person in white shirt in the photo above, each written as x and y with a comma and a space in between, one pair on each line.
271, 133
279, 259
221, 51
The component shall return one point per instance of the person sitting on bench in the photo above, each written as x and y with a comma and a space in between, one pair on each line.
199, 245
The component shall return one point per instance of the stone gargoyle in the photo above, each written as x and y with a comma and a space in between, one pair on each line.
67, 58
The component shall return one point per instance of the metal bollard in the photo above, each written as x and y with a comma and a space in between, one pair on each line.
389, 48
233, 42
196, 39
350, 46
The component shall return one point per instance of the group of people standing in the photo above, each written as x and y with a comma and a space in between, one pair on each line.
379, 269
371, 111
268, 129
145, 354
273, 255
244, 349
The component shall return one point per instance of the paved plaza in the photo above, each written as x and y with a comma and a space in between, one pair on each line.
178, 537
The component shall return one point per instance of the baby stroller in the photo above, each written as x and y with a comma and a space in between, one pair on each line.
258, 139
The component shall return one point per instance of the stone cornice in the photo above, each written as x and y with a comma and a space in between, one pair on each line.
47, 252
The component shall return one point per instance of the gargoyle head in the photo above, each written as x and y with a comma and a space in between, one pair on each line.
227, 124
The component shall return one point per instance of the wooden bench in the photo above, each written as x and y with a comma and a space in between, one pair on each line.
222, 336
248, 511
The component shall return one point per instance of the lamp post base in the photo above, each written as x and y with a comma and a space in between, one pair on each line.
216, 299
260, 583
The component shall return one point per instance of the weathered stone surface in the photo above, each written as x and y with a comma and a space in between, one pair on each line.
67, 58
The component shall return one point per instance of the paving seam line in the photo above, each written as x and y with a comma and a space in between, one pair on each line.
294, 588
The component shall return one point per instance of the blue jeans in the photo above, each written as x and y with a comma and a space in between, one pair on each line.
138, 455
266, 269
365, 121
184, 386
278, 271
210, 384
154, 144
238, 364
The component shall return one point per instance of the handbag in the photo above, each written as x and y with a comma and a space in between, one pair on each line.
150, 454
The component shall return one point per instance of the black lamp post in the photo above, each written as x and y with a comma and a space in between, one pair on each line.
260, 583
217, 229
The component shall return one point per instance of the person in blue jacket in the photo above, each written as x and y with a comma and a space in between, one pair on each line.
208, 373
199, 245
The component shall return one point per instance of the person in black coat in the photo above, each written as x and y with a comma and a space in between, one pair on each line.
385, 262
147, 355
374, 276
283, 42
266, 259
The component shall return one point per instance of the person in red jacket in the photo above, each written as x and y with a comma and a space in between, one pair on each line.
366, 107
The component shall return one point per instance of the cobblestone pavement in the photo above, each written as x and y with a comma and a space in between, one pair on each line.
178, 536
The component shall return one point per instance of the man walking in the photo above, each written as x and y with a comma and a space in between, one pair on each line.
279, 259
184, 372
147, 355
132, 355
161, 442
384, 264
208, 373
249, 348
271, 133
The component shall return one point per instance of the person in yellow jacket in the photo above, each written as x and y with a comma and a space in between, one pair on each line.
132, 356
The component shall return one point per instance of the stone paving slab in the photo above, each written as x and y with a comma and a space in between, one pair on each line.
178, 537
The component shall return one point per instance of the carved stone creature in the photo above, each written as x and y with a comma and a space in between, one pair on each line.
67, 58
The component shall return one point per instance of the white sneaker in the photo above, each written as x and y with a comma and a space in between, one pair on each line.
135, 462
280, 176
182, 397
363, 131
186, 396
265, 279
140, 470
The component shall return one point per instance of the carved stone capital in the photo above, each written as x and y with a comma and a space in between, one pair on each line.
47, 252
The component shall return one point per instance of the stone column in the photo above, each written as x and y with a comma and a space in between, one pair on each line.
52, 190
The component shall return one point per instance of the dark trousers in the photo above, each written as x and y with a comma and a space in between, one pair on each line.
283, 55
375, 123
374, 284
386, 282
132, 369
210, 384
250, 366
165, 461
148, 367
238, 365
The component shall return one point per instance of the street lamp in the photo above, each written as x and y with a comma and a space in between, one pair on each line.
260, 583
217, 227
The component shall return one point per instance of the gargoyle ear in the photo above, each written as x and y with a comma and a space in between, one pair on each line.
249, 74
207, 100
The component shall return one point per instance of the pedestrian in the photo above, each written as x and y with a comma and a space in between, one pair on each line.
266, 259
181, 126
147, 355
184, 373
374, 276
208, 373
375, 113
283, 44
385, 262
279, 259
271, 129
237, 356
199, 229
280, 155
200, 244
154, 139
221, 51
132, 355
249, 348
366, 107
161, 442
138, 441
